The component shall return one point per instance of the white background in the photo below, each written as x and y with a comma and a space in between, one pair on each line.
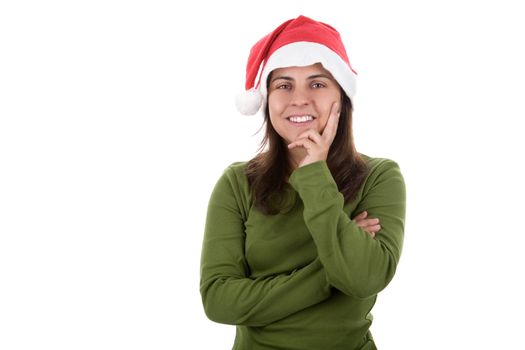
117, 118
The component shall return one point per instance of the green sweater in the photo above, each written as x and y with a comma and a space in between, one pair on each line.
307, 277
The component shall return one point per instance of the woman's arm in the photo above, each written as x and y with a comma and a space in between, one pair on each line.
355, 263
228, 294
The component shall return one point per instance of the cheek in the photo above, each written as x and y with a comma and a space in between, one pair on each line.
276, 103
275, 121
275, 110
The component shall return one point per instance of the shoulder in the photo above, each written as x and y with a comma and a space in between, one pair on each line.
377, 164
237, 166
380, 170
233, 184
236, 172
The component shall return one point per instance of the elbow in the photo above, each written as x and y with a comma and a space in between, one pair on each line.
215, 314
220, 306
210, 312
214, 309
218, 312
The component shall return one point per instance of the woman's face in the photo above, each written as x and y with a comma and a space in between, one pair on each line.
300, 98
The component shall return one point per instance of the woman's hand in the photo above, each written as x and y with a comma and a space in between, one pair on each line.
369, 225
317, 145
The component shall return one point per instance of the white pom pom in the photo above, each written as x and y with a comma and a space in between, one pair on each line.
249, 102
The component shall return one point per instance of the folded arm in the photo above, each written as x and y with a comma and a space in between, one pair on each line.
229, 295
355, 263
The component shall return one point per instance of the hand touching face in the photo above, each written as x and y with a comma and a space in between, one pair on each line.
317, 144
301, 99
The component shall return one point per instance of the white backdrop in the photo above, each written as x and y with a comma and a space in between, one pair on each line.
117, 118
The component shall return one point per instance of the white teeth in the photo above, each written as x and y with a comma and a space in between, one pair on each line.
301, 119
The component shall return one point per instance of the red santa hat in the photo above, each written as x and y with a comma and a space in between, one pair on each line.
297, 42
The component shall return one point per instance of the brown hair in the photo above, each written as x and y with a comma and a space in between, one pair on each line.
268, 171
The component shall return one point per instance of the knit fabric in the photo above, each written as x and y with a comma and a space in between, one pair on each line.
308, 277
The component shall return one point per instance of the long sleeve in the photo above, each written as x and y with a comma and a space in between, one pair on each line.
229, 295
355, 263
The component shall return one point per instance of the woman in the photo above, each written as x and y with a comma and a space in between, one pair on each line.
300, 239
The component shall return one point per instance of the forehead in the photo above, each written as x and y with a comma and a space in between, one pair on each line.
306, 71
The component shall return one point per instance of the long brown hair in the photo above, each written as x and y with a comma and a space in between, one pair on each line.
268, 171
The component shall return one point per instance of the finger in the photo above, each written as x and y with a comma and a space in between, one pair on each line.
374, 228
372, 221
330, 129
295, 143
312, 135
306, 143
367, 222
361, 215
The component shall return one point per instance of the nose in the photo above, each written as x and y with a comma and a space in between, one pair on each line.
300, 97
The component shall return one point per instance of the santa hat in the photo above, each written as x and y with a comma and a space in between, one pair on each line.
297, 42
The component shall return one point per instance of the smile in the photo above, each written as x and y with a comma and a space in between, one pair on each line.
301, 118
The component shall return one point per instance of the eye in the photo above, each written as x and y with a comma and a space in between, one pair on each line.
283, 86
318, 85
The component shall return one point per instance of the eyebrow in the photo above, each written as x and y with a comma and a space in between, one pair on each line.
315, 76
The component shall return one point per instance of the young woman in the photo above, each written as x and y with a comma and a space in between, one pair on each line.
300, 240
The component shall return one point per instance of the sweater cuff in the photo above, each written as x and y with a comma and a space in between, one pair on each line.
314, 182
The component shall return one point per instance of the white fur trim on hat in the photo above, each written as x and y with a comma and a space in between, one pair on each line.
303, 53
